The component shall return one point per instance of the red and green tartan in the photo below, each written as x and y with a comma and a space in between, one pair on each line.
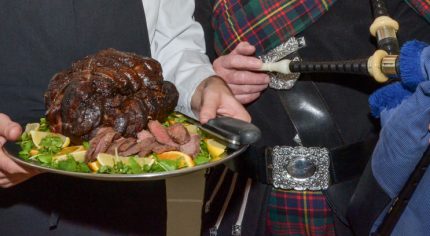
268, 23
299, 213
263, 23
422, 7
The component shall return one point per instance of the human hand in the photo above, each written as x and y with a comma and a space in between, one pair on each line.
239, 70
213, 97
10, 172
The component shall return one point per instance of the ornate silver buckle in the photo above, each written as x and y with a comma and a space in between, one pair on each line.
285, 50
300, 168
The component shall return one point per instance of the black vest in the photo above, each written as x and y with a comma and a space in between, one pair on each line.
38, 39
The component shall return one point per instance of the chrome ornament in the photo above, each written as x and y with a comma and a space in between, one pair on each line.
284, 81
300, 168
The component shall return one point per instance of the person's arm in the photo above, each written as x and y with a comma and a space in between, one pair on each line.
177, 42
10, 172
405, 132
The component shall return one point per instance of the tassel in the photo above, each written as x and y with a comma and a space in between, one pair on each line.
410, 64
387, 97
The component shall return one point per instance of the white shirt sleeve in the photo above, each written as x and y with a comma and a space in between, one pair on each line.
177, 42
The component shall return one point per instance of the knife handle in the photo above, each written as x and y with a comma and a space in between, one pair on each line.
233, 131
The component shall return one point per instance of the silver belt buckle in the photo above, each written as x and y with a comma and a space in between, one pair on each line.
300, 168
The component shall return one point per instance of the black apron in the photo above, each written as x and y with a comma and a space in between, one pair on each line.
38, 39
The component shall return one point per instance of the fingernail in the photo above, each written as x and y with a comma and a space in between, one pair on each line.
10, 132
2, 140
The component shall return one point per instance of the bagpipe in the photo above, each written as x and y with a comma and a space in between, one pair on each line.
396, 67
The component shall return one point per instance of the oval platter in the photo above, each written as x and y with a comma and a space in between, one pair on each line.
13, 149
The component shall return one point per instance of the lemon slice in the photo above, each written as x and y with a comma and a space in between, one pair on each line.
79, 156
215, 148
37, 137
106, 159
71, 149
192, 129
185, 160
31, 126
145, 161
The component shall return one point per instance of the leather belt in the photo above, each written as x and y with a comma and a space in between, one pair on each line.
314, 123
310, 115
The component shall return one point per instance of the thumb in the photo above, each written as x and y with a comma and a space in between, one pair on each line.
9, 129
208, 109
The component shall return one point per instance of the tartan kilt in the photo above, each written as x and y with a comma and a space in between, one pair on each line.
299, 213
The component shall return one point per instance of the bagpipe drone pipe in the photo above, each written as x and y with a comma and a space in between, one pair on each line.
387, 63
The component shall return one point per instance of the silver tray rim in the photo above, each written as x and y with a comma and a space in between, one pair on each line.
12, 151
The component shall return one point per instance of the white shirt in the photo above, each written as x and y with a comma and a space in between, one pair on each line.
177, 42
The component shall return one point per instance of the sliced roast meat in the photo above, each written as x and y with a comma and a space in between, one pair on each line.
132, 150
144, 135
178, 133
192, 148
160, 148
160, 133
145, 150
105, 142
115, 145
95, 140
147, 141
101, 142
126, 144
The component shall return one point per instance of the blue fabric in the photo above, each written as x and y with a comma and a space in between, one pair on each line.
387, 97
403, 140
411, 69
425, 63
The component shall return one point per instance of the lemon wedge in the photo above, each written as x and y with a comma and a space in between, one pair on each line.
71, 149
37, 137
106, 159
192, 129
145, 161
31, 126
185, 160
215, 148
79, 156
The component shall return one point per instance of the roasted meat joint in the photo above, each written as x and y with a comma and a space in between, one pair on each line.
111, 88
112, 113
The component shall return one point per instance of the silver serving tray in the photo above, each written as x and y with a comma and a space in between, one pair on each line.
13, 149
